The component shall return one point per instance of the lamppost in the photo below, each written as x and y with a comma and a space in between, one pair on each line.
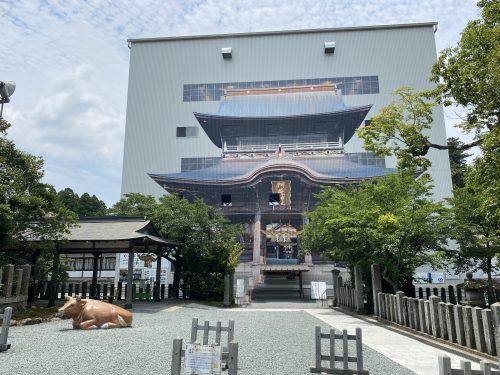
7, 88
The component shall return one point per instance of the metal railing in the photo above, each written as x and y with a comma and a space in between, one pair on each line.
319, 146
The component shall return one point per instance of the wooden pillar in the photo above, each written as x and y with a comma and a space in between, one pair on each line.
376, 286
358, 280
95, 270
257, 236
335, 274
308, 257
227, 290
156, 296
53, 284
130, 278
300, 285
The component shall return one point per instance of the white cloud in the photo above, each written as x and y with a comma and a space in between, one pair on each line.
70, 61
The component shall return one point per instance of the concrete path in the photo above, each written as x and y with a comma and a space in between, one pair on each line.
409, 352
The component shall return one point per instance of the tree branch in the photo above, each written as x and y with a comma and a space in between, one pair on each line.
464, 146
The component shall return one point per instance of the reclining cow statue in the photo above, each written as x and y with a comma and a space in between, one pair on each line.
91, 314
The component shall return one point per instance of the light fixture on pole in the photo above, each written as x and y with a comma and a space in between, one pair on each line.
7, 88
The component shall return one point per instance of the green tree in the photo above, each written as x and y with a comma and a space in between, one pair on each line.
458, 164
70, 199
91, 206
209, 249
29, 209
392, 222
477, 232
400, 129
134, 204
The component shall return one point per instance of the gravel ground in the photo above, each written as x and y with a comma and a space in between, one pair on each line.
270, 342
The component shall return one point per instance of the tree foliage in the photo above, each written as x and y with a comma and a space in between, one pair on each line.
400, 129
392, 222
29, 208
458, 163
468, 75
85, 205
209, 249
476, 231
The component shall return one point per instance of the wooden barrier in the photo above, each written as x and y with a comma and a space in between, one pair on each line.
344, 359
229, 354
465, 368
4, 331
15, 285
474, 328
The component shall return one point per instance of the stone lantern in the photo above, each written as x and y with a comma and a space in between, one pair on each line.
474, 291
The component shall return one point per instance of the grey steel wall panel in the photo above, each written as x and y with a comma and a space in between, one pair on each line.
159, 69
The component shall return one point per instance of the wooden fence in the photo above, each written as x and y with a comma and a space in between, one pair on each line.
102, 291
343, 359
348, 296
472, 327
465, 368
14, 284
229, 353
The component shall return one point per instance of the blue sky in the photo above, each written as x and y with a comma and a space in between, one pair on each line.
70, 60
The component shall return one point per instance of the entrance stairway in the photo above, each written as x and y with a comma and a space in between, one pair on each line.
277, 287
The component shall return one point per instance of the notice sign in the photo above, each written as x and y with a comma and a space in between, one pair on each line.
318, 290
240, 288
202, 360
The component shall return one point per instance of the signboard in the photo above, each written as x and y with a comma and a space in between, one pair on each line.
421, 277
202, 360
437, 277
318, 290
240, 288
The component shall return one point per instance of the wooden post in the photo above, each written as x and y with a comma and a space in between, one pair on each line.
332, 348
358, 281
301, 286
495, 310
458, 313
376, 286
450, 320
206, 328
194, 330
345, 353
434, 310
256, 238
335, 275
442, 321
318, 346
444, 365
232, 362
421, 315
470, 339
399, 304
26, 279
175, 368
19, 277
489, 335
54, 281
130, 278
95, 271
427, 308
477, 320
7, 280
4, 331
227, 291
158, 276
359, 350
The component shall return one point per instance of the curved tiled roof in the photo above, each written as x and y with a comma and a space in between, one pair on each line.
234, 171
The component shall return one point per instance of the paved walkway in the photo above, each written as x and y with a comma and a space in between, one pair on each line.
411, 353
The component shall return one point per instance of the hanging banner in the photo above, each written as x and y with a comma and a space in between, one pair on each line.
318, 290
